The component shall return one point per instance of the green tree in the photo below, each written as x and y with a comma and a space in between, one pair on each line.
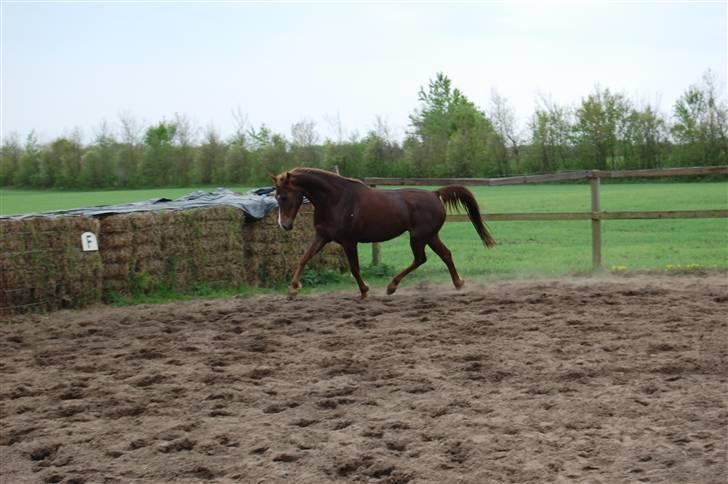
383, 156
646, 140
507, 142
472, 143
184, 151
433, 122
600, 126
238, 160
97, 164
10, 155
414, 156
449, 128
130, 153
66, 155
303, 146
701, 124
211, 157
347, 157
551, 139
30, 160
157, 165
376, 155
272, 158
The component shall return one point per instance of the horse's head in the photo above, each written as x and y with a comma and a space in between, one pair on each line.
289, 199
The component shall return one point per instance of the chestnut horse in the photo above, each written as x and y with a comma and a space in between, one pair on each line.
348, 211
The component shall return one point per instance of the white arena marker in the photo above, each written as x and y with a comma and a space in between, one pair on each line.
88, 242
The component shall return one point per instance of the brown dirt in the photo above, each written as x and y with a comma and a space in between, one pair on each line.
589, 380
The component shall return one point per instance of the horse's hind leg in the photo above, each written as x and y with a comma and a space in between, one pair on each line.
418, 249
440, 249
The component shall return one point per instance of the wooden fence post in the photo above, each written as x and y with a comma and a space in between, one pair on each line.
376, 255
376, 249
596, 224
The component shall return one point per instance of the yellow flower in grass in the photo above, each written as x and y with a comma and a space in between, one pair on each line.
680, 267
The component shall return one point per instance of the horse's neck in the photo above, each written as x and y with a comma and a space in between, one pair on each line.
321, 189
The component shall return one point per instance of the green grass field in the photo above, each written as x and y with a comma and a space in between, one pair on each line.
525, 249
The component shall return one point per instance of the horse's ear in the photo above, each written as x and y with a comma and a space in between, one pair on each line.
288, 176
273, 177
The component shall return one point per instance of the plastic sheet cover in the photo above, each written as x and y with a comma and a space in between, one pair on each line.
255, 203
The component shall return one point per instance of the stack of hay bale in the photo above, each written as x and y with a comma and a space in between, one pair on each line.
42, 265
271, 254
175, 249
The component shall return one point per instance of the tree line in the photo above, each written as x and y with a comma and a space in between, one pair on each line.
449, 136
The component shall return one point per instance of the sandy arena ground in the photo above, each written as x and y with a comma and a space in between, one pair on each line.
620, 379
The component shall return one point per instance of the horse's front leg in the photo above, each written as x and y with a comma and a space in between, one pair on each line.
352, 253
318, 243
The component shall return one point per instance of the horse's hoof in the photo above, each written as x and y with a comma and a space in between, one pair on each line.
459, 284
292, 292
391, 290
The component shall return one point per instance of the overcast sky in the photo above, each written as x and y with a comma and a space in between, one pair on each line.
75, 64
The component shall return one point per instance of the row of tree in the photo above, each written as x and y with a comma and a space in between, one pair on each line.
449, 136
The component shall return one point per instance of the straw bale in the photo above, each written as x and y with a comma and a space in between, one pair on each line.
40, 224
12, 260
11, 245
15, 300
166, 217
118, 255
16, 277
11, 227
116, 285
81, 271
217, 258
206, 238
227, 273
146, 249
144, 223
113, 240
116, 248
143, 220
115, 223
116, 271
14, 236
271, 254
153, 269
47, 267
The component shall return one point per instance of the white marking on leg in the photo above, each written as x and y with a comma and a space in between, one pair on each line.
279, 218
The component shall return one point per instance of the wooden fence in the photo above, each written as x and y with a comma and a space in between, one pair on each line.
596, 215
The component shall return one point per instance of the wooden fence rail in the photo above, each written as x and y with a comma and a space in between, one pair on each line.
596, 215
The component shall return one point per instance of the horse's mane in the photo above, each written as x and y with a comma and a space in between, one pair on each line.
318, 171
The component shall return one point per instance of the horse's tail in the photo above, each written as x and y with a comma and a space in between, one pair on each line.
456, 197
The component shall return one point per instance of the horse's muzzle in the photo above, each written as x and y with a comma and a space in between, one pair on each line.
284, 225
